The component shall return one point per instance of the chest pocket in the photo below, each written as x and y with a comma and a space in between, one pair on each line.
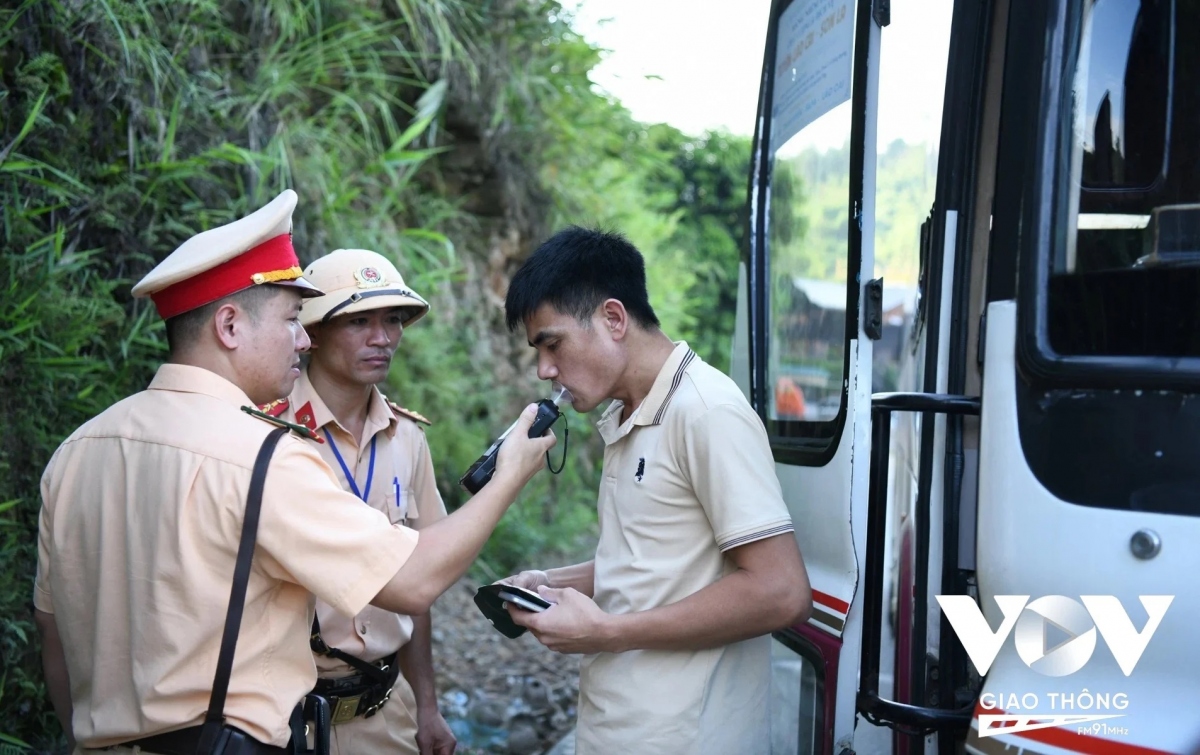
401, 507
398, 488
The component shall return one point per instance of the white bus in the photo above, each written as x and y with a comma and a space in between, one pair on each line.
1043, 457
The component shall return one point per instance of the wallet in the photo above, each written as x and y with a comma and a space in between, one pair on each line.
492, 606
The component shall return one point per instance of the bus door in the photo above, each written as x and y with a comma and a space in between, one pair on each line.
1089, 487
800, 351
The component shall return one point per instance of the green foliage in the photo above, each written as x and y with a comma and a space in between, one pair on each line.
809, 198
906, 178
130, 126
704, 188
809, 218
67, 350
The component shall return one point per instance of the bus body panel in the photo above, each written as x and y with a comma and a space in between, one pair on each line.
1032, 543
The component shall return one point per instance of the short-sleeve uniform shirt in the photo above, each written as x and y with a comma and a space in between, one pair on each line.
687, 477
397, 478
142, 510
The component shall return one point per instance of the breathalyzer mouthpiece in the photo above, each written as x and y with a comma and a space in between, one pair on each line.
559, 394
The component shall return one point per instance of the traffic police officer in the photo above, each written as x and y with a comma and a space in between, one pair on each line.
142, 510
378, 451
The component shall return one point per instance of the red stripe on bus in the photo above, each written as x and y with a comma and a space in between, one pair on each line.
829, 601
1069, 740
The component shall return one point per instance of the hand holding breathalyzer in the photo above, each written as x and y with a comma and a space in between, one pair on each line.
522, 458
546, 414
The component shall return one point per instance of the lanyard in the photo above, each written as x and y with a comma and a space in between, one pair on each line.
346, 470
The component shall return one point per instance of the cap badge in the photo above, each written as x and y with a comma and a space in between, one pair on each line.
369, 277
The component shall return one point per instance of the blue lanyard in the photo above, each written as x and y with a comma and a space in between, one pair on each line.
346, 470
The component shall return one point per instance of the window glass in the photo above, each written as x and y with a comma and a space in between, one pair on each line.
1124, 269
1121, 91
807, 225
810, 190
1124, 279
913, 52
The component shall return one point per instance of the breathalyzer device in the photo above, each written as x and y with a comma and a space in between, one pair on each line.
485, 466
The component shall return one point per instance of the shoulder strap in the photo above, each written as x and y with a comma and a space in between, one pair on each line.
215, 719
301, 430
317, 643
400, 411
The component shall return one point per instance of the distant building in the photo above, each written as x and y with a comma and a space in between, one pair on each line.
807, 346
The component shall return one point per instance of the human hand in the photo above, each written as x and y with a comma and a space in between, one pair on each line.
520, 456
434, 736
531, 580
575, 624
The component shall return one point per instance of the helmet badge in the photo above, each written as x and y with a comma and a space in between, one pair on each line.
369, 277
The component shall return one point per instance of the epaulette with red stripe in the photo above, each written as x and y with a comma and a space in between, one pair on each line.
275, 408
300, 430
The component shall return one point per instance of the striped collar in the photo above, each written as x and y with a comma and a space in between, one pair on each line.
653, 409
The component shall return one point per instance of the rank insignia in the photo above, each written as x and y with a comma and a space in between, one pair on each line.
275, 408
300, 430
305, 416
409, 413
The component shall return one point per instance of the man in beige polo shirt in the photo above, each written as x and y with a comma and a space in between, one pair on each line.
378, 452
697, 562
142, 511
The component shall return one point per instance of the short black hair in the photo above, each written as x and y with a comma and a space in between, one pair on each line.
183, 330
574, 271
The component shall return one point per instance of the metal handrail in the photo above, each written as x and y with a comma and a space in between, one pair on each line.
938, 403
869, 703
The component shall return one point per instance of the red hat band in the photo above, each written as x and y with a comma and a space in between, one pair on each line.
271, 261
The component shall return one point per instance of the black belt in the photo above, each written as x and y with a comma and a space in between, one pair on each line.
184, 742
360, 694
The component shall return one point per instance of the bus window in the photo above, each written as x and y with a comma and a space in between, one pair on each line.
1121, 91
1126, 277
807, 245
807, 219
1122, 294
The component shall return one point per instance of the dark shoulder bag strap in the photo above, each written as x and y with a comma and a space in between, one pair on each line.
371, 671
214, 721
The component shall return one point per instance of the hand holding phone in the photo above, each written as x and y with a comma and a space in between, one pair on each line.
522, 598
491, 599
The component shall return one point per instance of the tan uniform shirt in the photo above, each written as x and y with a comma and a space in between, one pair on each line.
687, 477
141, 516
403, 487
